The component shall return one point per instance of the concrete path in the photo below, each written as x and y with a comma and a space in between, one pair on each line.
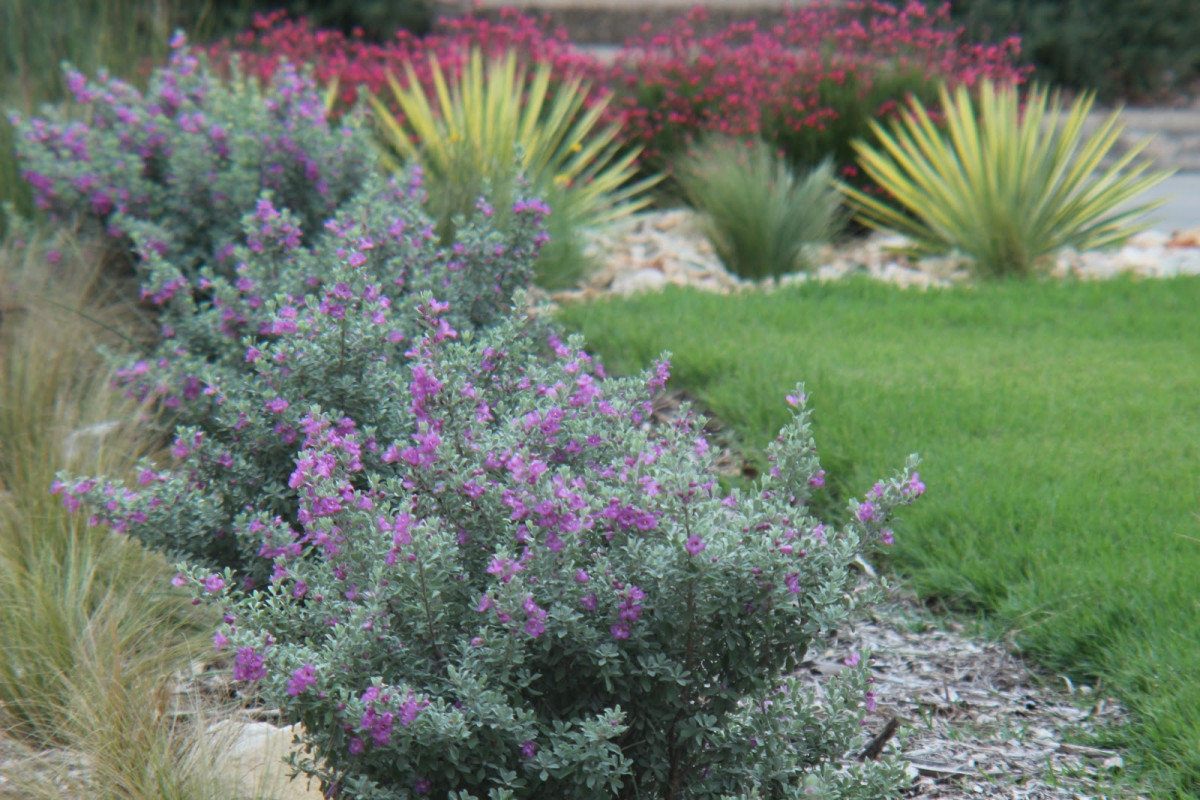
1182, 209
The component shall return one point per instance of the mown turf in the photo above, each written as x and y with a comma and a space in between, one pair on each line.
1058, 426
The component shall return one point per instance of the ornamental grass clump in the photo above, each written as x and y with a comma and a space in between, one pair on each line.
190, 156
1008, 182
761, 217
494, 121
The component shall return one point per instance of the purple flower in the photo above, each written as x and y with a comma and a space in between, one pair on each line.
248, 665
818, 479
588, 601
866, 511
302, 679
915, 487
694, 544
887, 537
356, 746
535, 624
851, 660
528, 748
410, 708
423, 786
619, 630
214, 583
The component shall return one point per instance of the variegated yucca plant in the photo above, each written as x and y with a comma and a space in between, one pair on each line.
496, 122
1006, 183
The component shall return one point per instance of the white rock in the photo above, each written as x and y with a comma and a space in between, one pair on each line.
642, 280
253, 754
1133, 257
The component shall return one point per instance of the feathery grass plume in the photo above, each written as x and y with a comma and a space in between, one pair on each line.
496, 124
71, 596
1006, 182
759, 215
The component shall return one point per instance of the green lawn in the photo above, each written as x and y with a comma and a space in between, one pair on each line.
1058, 427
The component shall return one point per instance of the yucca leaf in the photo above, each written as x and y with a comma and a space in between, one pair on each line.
476, 122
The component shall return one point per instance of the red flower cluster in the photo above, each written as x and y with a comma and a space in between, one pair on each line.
357, 64
807, 85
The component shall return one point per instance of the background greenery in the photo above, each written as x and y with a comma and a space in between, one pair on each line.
1135, 49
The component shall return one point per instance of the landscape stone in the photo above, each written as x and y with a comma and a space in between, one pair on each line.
653, 249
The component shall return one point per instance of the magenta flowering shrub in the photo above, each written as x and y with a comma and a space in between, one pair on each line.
190, 156
245, 359
357, 65
807, 86
521, 589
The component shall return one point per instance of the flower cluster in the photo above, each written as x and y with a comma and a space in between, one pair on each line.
190, 156
807, 86
356, 65
245, 359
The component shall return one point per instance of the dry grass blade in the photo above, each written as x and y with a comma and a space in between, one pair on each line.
91, 626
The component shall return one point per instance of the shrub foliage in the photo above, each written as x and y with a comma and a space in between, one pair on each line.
190, 156
456, 552
243, 358
1120, 49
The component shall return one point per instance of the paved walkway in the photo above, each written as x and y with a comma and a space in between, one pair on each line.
1182, 209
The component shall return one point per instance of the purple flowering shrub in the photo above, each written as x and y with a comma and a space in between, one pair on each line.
522, 589
190, 156
244, 360
457, 552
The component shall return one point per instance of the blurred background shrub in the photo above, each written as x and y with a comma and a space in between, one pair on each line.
1122, 49
759, 214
